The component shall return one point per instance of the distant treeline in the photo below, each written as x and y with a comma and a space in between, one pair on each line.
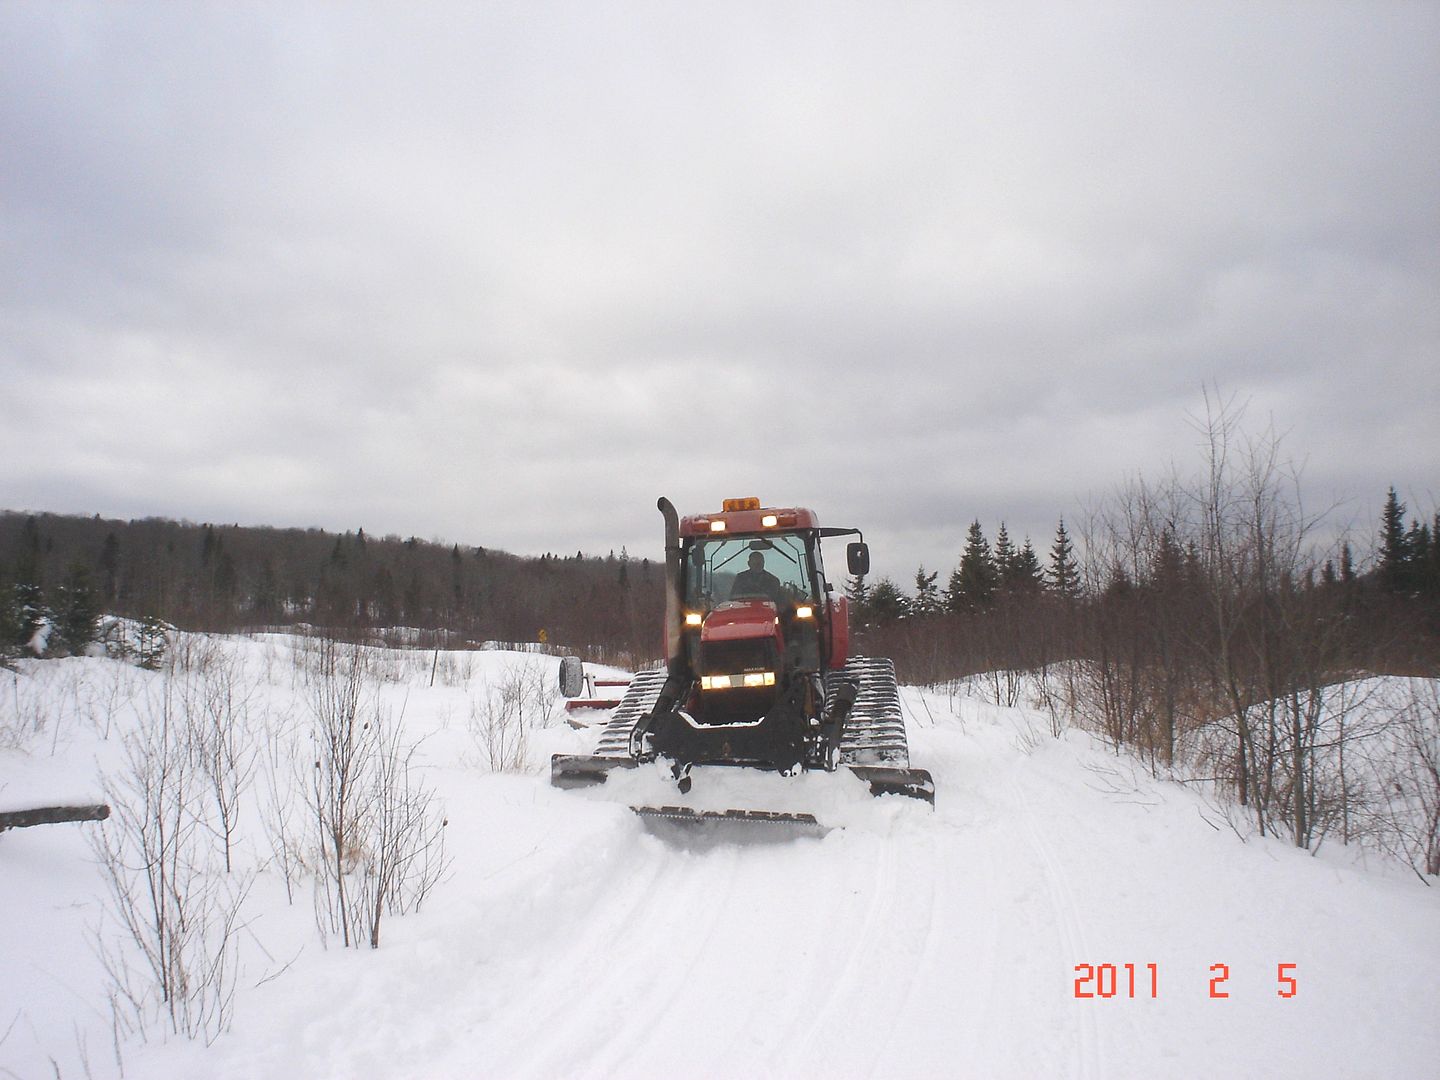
230, 577
1163, 573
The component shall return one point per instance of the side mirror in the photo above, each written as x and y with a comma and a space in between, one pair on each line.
572, 676
858, 556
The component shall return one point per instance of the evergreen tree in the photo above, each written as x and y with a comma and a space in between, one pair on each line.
1394, 545
1431, 580
858, 593
1026, 576
977, 576
9, 625
30, 614
976, 579
1064, 574
887, 602
109, 567
954, 598
28, 569
1005, 555
77, 612
1417, 541
151, 643
927, 596
1347, 564
1167, 570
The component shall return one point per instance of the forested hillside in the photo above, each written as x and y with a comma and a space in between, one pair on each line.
227, 577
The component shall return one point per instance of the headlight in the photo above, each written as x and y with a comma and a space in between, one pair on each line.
804, 611
727, 682
693, 618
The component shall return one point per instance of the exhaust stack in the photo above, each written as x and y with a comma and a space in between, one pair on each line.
673, 584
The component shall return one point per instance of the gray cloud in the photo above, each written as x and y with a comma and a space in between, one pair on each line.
503, 275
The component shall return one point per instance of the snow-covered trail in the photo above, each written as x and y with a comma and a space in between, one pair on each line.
911, 942
571, 941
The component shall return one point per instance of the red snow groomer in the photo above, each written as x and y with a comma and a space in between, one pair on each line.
758, 672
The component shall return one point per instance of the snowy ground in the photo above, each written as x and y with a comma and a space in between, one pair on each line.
570, 941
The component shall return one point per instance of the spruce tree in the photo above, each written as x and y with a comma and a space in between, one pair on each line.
857, 592
150, 644
9, 625
927, 596
31, 614
109, 567
887, 602
977, 576
1005, 555
1394, 545
1026, 576
1064, 575
77, 612
28, 569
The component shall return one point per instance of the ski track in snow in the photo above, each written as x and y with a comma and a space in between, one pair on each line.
1089, 1061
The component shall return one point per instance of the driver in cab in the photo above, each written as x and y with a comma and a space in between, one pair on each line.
757, 582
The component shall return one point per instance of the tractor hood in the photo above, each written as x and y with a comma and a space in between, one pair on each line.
741, 620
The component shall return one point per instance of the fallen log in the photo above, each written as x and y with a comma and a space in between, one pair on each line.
49, 815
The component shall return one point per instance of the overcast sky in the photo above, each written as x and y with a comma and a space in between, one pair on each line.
501, 274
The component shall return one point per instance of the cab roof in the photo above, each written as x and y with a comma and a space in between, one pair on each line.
748, 516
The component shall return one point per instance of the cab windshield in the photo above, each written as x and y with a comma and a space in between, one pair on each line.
769, 568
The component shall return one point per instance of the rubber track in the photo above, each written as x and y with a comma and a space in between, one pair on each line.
644, 688
875, 729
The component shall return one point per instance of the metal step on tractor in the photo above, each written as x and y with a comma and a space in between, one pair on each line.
758, 673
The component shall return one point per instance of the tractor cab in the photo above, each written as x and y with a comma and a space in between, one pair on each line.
757, 609
756, 628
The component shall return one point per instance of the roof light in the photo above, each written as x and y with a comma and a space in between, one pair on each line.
731, 505
804, 611
769, 521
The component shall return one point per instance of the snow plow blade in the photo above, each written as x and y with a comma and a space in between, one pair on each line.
688, 815
583, 770
887, 780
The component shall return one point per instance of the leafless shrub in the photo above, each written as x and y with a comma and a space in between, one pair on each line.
523, 698
1408, 809
221, 741
179, 917
342, 742
25, 711
405, 857
380, 832
283, 777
